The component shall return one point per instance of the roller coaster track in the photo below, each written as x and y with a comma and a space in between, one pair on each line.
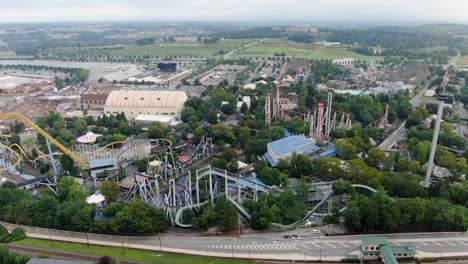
322, 202
52, 140
247, 216
206, 171
18, 161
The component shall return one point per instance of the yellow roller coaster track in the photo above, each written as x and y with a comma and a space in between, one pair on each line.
52, 140
18, 157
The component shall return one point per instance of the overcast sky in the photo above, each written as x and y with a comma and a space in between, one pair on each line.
234, 10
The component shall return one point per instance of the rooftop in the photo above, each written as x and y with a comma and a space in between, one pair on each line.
374, 240
403, 249
297, 143
101, 163
387, 253
55, 261
154, 118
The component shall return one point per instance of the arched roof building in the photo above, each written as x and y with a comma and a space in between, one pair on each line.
134, 103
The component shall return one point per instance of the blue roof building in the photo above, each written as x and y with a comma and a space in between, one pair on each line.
285, 147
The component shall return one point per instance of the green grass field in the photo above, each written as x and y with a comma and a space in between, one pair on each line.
310, 51
463, 60
160, 50
129, 254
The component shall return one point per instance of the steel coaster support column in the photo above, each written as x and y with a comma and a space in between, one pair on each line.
52, 160
238, 191
197, 188
226, 183
190, 187
211, 186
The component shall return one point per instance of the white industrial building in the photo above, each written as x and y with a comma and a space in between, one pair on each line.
135, 103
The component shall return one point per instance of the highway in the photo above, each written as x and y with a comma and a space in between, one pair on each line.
273, 246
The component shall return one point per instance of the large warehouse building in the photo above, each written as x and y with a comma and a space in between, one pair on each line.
134, 103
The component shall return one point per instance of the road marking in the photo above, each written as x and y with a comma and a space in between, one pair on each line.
436, 243
315, 244
330, 245
450, 243
304, 246
343, 244
355, 243
458, 235
422, 243
396, 243
463, 243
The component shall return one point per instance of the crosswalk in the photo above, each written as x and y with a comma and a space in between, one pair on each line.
255, 247
316, 245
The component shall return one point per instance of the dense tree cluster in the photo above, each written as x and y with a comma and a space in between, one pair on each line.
380, 213
285, 207
145, 41
355, 171
222, 213
69, 211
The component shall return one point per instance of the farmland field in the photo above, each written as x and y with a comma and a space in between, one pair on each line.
7, 54
160, 49
311, 51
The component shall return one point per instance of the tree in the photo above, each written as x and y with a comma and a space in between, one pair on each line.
342, 187
330, 168
226, 214
58, 82
69, 189
67, 164
212, 117
138, 217
155, 131
301, 165
244, 108
243, 134
8, 185
74, 215
43, 210
111, 190
187, 112
346, 149
375, 157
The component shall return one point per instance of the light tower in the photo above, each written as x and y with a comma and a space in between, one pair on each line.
435, 136
268, 110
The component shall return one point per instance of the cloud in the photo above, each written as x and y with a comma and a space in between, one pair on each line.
281, 10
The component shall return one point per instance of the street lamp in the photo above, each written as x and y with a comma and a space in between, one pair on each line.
160, 243
87, 236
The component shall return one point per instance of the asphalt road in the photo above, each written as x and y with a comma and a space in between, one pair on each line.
393, 138
266, 246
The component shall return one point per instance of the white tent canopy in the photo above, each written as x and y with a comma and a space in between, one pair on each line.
90, 137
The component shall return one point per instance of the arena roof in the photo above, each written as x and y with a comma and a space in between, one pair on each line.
146, 99
291, 144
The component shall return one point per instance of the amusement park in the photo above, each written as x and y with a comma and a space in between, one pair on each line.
283, 158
